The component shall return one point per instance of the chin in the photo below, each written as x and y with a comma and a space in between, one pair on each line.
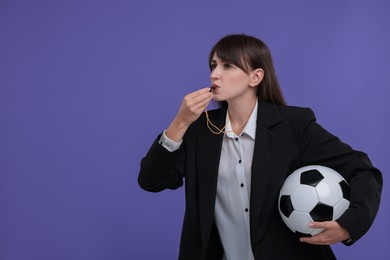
215, 98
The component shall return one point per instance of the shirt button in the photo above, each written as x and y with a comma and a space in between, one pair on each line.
236, 139
246, 210
242, 184
239, 161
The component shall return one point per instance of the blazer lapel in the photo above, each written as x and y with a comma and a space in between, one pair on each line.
265, 158
208, 156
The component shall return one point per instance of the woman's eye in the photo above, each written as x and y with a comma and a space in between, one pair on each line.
227, 65
213, 66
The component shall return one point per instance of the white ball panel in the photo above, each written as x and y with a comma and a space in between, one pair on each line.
300, 222
287, 222
304, 198
329, 192
291, 182
340, 208
329, 173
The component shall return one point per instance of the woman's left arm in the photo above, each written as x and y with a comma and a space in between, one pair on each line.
320, 147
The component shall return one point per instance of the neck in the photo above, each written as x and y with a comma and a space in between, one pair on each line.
239, 113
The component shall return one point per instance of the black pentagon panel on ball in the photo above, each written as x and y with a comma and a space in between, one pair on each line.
321, 212
345, 188
311, 177
285, 205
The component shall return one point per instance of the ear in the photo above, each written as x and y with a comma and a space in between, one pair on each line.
256, 77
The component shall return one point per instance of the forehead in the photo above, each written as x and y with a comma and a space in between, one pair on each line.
216, 58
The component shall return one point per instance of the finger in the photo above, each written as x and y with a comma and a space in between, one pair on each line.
203, 104
200, 99
318, 224
316, 240
199, 92
204, 97
196, 107
323, 224
322, 238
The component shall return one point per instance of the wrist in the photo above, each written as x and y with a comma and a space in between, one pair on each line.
176, 130
181, 121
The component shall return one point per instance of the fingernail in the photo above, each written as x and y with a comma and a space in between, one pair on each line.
311, 224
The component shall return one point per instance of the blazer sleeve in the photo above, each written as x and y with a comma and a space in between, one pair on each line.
318, 146
161, 169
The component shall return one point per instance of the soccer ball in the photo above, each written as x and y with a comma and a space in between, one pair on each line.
312, 193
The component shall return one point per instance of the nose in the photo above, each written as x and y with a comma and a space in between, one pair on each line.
214, 75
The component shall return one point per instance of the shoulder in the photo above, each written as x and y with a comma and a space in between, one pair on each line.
285, 111
296, 113
293, 110
272, 114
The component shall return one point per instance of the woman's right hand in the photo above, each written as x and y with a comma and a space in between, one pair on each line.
191, 108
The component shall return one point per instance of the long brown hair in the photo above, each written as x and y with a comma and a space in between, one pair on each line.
248, 52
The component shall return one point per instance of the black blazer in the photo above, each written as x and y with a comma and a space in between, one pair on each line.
287, 138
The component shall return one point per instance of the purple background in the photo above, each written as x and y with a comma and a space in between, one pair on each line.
85, 87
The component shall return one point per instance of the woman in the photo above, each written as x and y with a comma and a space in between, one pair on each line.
235, 159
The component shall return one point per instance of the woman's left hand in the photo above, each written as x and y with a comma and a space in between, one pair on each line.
333, 233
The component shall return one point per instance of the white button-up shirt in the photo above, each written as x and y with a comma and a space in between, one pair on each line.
233, 188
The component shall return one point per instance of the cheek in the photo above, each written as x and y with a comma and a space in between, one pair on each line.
240, 79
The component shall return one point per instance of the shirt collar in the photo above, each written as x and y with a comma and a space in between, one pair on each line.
249, 129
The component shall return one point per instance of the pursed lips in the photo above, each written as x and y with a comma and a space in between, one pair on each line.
214, 87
